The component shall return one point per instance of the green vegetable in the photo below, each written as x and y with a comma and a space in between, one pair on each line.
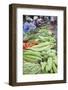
42, 48
47, 68
54, 68
30, 52
51, 70
41, 45
33, 59
43, 64
41, 58
31, 68
49, 63
55, 61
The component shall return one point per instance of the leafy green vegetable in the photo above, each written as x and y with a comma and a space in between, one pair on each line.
31, 68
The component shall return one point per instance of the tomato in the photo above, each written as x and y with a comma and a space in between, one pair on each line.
26, 45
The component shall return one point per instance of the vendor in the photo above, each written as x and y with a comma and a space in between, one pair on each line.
32, 25
38, 21
35, 21
28, 25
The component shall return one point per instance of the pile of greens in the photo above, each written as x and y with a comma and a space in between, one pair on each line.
41, 58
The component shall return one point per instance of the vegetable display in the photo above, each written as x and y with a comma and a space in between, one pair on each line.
40, 53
